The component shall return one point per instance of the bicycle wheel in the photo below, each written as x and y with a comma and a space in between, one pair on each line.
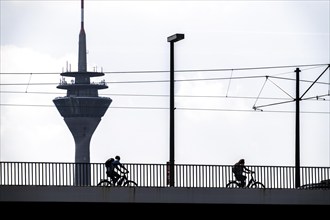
130, 183
233, 184
104, 183
257, 185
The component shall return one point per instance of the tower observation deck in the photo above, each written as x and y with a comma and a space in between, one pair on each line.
82, 108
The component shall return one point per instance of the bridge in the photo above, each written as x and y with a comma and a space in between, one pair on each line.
203, 185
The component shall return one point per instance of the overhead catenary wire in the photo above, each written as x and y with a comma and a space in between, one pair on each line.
280, 88
315, 81
263, 85
28, 83
176, 80
200, 79
293, 99
303, 69
301, 80
166, 96
177, 108
191, 70
231, 75
166, 81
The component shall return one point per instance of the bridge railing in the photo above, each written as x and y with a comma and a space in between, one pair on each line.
152, 175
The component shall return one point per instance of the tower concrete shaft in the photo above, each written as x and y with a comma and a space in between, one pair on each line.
82, 108
82, 129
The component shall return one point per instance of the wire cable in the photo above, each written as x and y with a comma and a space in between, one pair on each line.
166, 96
231, 75
280, 88
165, 108
28, 83
192, 70
254, 105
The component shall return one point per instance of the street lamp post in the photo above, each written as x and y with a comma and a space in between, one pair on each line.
297, 169
172, 39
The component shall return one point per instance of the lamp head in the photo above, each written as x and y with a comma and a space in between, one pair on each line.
174, 38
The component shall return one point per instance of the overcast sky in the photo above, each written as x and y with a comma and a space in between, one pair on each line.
214, 118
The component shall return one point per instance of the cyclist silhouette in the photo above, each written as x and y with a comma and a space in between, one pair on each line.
118, 168
239, 169
117, 174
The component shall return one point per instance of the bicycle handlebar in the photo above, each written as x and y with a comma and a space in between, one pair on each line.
124, 173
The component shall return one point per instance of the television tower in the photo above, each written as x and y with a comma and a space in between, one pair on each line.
82, 108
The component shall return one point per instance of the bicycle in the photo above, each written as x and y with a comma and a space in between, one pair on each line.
122, 181
253, 183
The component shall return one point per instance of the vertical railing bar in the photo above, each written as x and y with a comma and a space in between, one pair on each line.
287, 177
191, 176
13, 181
25, 176
19, 173
9, 173
53, 174
40, 174
60, 176
35, 173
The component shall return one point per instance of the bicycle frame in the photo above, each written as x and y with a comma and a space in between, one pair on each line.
122, 181
253, 183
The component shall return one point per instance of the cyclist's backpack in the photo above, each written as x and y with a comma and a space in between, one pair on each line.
108, 163
234, 169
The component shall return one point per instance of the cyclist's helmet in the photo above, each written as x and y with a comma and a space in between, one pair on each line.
117, 157
241, 161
